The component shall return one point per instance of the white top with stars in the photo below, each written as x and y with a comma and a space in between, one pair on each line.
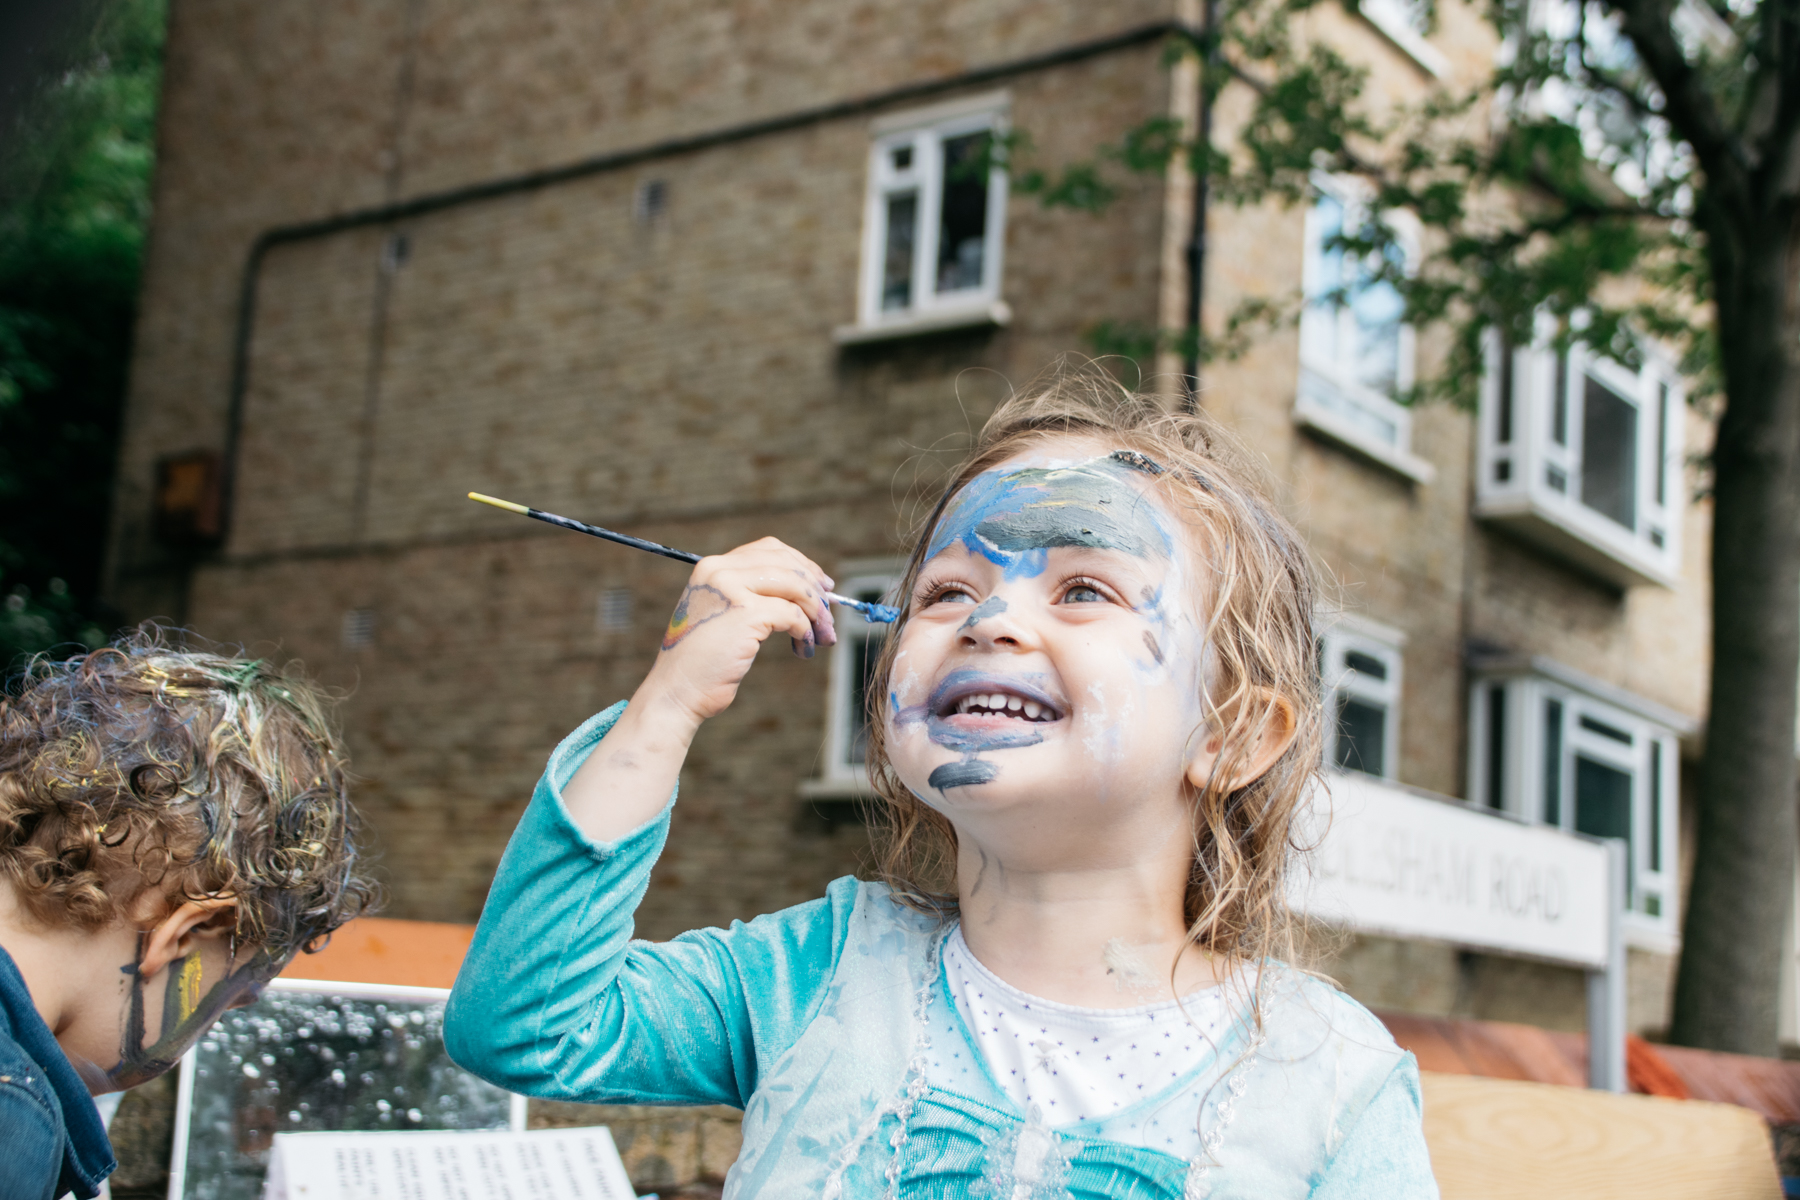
1073, 1064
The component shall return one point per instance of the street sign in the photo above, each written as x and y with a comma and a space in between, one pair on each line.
1392, 861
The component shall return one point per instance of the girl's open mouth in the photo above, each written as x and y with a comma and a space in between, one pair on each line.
992, 700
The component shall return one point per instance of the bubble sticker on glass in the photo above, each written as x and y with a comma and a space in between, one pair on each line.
312, 1061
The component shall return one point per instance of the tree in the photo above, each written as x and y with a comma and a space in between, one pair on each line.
1647, 143
74, 203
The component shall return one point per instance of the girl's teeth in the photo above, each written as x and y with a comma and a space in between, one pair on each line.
1000, 702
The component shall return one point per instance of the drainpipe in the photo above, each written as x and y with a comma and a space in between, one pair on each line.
1196, 251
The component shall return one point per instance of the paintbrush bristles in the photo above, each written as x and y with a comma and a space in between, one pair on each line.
508, 505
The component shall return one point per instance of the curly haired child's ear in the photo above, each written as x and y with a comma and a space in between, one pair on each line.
179, 933
1275, 725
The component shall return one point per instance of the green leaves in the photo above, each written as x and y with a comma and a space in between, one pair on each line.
1550, 186
74, 202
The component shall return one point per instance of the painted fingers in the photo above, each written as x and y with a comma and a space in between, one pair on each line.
731, 604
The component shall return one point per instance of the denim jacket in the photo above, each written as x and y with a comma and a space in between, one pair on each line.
52, 1140
816, 1021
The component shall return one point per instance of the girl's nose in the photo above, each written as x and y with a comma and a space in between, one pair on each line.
996, 623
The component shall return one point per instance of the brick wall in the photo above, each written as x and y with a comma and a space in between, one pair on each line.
677, 378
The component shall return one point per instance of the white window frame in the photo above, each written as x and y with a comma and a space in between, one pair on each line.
1529, 479
1348, 635
925, 131
1399, 21
838, 776
1328, 399
1584, 707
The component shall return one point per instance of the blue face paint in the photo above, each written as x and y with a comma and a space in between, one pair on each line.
1014, 518
973, 741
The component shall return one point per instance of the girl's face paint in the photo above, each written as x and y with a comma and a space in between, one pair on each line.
168, 1012
1053, 661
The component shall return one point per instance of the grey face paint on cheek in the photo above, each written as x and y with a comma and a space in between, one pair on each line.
1155, 650
993, 606
187, 1012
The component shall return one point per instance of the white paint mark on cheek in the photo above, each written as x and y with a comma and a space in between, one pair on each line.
907, 688
1101, 732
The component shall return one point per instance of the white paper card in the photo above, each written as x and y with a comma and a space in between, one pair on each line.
567, 1164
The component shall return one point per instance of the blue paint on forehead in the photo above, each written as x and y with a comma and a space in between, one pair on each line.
1014, 518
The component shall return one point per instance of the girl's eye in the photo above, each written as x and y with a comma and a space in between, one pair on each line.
1083, 593
949, 593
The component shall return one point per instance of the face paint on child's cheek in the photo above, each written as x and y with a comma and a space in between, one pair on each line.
192, 999
1014, 518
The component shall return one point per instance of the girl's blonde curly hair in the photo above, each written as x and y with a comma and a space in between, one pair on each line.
145, 767
1257, 620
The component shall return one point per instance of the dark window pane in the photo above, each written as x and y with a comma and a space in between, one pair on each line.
1603, 802
1503, 421
1656, 786
1662, 442
1609, 453
962, 226
1365, 664
902, 158
1606, 731
1361, 736
1559, 408
1496, 748
1553, 728
897, 260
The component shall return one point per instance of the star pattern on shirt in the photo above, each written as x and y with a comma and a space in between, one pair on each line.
1076, 1064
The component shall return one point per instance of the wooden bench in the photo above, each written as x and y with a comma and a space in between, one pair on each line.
1499, 1139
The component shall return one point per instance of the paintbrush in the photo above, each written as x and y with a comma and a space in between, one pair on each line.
882, 614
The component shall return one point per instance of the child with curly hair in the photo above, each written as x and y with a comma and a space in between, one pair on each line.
174, 827
1095, 726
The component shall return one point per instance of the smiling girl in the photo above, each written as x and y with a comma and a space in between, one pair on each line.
1098, 722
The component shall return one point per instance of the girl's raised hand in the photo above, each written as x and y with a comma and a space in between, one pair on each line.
733, 602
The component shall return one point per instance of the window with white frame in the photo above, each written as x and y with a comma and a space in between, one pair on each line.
1550, 751
1583, 456
935, 219
1407, 23
853, 662
1356, 349
1359, 674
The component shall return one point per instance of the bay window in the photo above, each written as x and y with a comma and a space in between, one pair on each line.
1551, 747
1582, 456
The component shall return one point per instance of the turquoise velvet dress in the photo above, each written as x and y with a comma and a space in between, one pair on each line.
817, 1022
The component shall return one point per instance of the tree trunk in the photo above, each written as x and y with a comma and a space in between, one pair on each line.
1732, 949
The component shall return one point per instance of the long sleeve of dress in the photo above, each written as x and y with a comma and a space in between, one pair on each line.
556, 1000
1383, 1157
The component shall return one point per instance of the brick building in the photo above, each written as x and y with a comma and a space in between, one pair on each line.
707, 270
